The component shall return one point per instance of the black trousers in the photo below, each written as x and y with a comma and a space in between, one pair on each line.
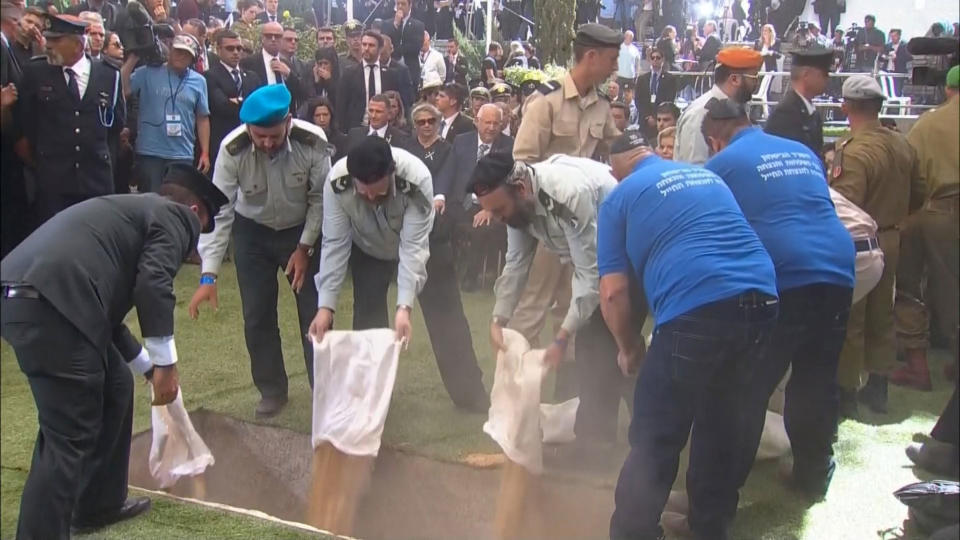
698, 372
601, 383
84, 399
259, 252
809, 336
947, 428
442, 311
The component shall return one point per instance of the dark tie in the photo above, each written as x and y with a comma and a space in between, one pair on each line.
482, 150
72, 84
371, 83
654, 83
236, 78
277, 73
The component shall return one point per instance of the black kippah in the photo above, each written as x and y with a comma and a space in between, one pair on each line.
724, 109
491, 172
630, 140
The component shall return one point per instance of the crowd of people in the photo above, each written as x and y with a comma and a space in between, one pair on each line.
594, 199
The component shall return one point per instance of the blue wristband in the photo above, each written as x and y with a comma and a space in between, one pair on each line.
207, 280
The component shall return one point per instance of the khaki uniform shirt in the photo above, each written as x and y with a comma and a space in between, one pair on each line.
557, 120
568, 194
936, 139
398, 228
278, 192
877, 170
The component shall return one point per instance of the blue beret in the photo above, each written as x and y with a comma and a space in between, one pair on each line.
266, 106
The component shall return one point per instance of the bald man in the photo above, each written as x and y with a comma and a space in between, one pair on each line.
271, 68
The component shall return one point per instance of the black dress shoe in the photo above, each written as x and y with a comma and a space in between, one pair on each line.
874, 394
270, 406
132, 507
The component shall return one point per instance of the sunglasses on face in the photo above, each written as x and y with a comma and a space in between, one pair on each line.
425, 121
272, 36
233, 48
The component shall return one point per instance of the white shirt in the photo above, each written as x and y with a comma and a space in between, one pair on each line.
627, 61
271, 75
432, 60
857, 222
376, 78
811, 109
447, 122
271, 18
382, 132
82, 71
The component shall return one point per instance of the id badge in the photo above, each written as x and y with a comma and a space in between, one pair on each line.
653, 98
174, 128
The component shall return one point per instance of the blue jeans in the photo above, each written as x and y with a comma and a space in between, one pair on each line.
149, 171
698, 372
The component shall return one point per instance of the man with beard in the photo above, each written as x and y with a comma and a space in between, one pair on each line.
735, 78
70, 105
378, 212
555, 203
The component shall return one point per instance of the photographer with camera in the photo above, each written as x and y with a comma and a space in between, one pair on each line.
174, 114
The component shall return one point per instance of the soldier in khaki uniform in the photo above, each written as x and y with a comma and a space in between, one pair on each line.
564, 117
930, 242
877, 170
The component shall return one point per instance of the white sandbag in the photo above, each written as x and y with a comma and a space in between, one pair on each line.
514, 420
177, 449
354, 373
557, 421
774, 442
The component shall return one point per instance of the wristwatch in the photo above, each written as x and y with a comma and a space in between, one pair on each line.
309, 249
500, 321
404, 306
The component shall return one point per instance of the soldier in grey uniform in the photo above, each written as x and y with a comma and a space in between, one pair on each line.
377, 216
272, 169
555, 203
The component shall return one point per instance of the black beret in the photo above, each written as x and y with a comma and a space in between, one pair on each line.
189, 177
724, 109
818, 57
491, 172
598, 36
630, 140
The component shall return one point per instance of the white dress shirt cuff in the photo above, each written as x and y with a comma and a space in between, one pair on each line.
326, 300
141, 364
162, 350
439, 197
309, 237
405, 296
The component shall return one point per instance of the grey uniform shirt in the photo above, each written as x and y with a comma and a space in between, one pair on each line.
568, 193
279, 192
397, 229
690, 146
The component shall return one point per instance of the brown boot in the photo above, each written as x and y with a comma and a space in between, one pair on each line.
915, 374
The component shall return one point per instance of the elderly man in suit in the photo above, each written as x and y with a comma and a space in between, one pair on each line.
270, 66
653, 88
452, 183
407, 35
360, 83
228, 85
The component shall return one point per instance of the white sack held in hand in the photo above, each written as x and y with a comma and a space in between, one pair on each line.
557, 421
354, 373
514, 420
177, 449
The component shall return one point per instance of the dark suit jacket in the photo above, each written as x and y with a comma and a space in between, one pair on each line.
262, 17
455, 175
791, 121
461, 124
407, 44
68, 142
407, 90
903, 56
100, 258
352, 95
225, 115
394, 136
709, 51
294, 82
666, 92
457, 73
108, 11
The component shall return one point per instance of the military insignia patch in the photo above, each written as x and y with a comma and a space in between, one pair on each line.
404, 187
340, 184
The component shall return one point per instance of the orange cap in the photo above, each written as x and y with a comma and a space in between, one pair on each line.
739, 58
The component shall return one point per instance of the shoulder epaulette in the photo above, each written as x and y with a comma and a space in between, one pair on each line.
405, 187
304, 136
38, 58
241, 141
837, 170
556, 208
340, 184
549, 86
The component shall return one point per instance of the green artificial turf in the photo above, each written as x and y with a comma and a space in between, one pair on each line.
214, 374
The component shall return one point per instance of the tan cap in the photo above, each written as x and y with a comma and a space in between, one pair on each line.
862, 87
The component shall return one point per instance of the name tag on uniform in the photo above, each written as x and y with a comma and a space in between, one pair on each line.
174, 128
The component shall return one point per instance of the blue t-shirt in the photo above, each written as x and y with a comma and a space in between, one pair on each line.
155, 86
678, 227
781, 189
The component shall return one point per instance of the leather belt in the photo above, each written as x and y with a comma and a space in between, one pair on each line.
20, 291
868, 244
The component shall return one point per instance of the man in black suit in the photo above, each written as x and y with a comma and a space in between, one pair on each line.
378, 112
456, 64
288, 52
69, 122
711, 45
450, 102
400, 73
795, 117
65, 292
452, 183
407, 35
13, 193
653, 88
227, 86
359, 84
105, 8
271, 68
896, 57
270, 13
